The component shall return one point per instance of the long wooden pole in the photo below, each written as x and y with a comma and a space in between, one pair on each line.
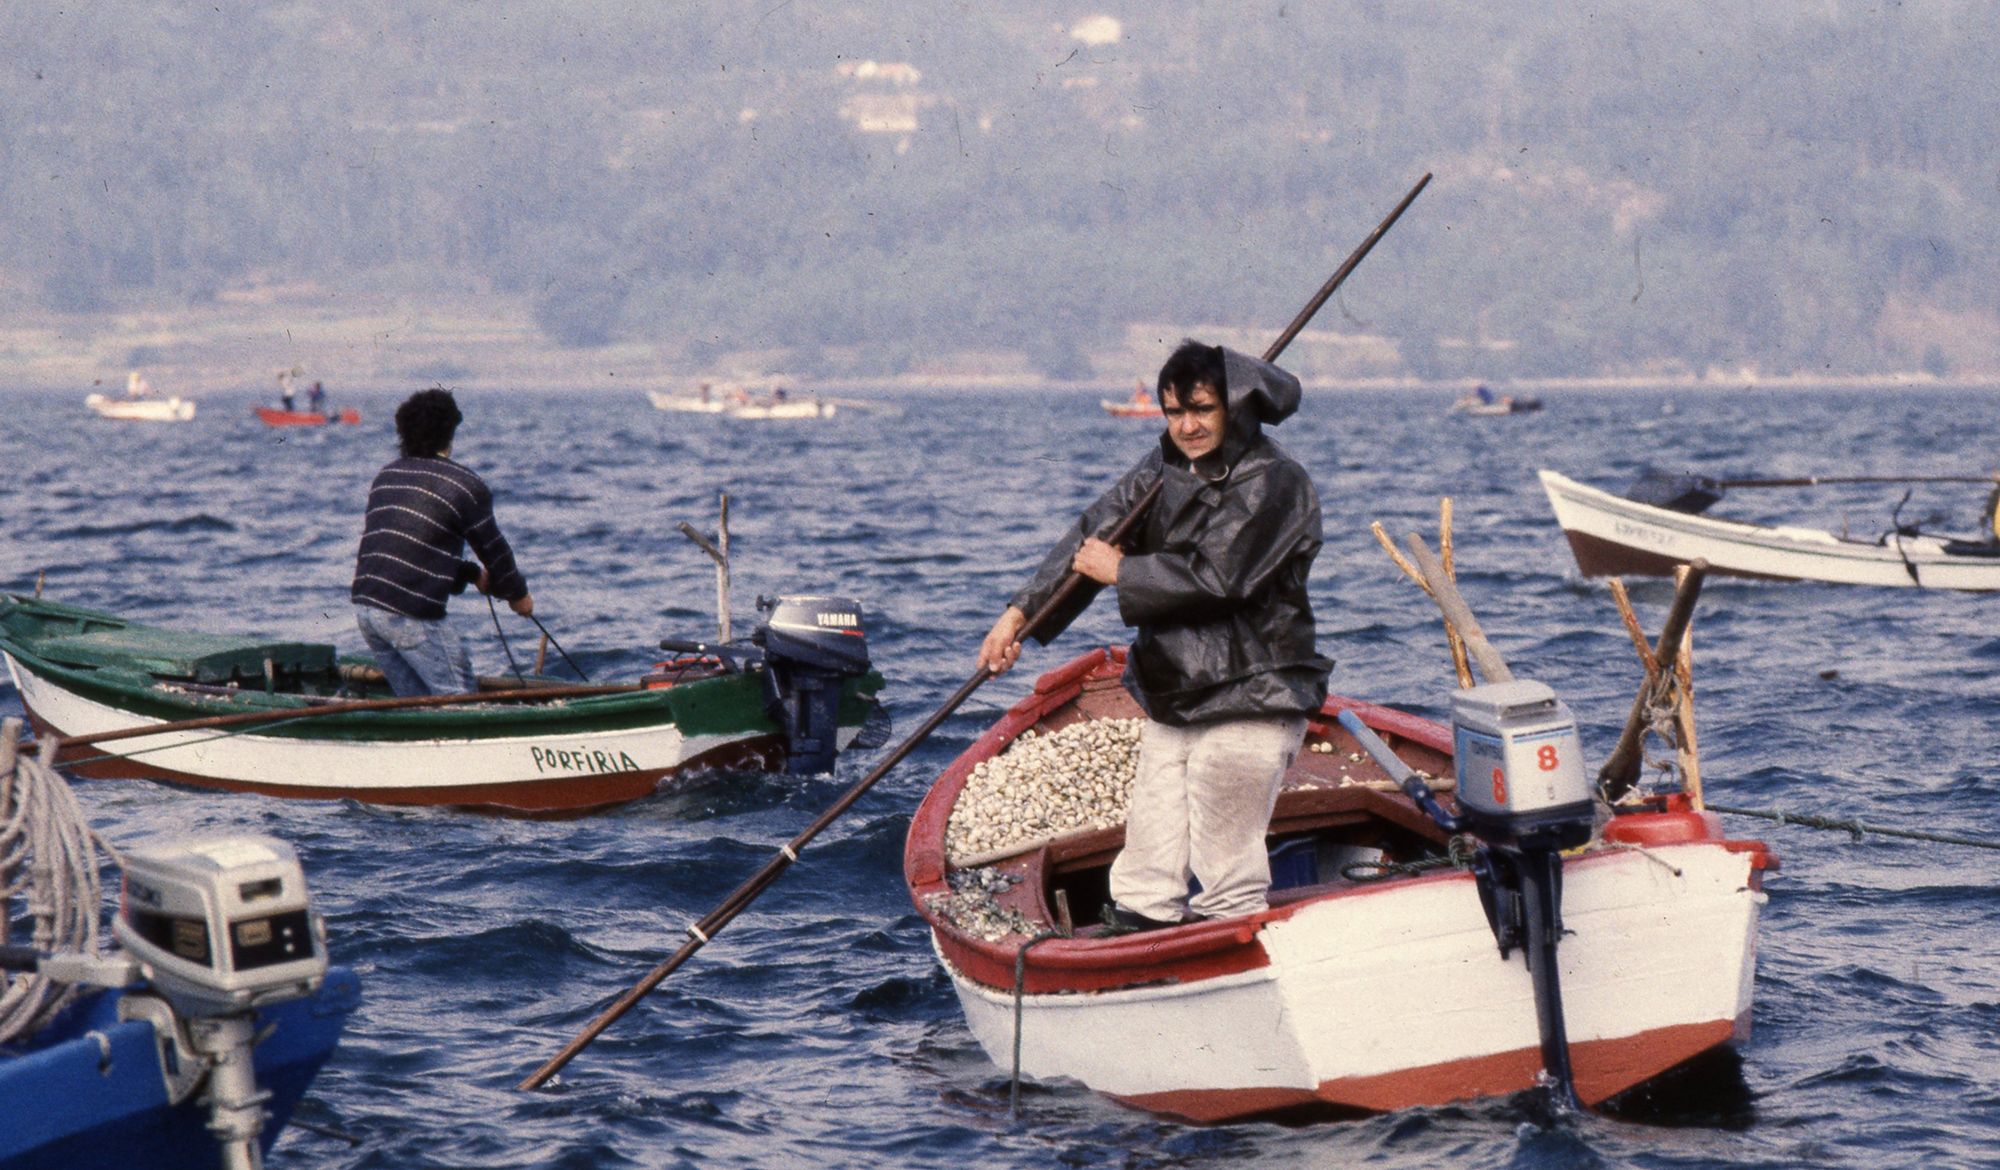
1444, 591
700, 932
1816, 480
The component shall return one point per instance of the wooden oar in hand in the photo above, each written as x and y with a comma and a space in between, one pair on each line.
700, 932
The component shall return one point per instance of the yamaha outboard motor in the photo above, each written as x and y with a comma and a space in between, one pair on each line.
810, 645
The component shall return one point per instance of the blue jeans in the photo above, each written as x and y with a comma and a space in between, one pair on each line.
417, 657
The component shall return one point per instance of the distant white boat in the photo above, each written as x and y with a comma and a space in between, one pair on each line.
139, 403
142, 409
1612, 536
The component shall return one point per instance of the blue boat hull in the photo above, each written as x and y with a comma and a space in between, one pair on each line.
75, 1102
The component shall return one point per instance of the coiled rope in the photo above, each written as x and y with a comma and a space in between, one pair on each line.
49, 865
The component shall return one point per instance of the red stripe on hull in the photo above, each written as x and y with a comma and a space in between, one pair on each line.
1603, 1068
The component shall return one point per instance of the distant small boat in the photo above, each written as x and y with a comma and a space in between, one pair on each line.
1483, 401
1613, 535
142, 409
1141, 405
685, 403
275, 417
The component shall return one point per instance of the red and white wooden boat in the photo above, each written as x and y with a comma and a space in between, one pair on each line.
274, 417
1361, 995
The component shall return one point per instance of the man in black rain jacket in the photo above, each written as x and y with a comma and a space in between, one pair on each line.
1225, 663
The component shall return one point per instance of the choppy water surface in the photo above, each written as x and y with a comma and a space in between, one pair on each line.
818, 1030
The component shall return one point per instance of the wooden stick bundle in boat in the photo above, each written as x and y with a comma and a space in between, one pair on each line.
1445, 592
1459, 663
1686, 752
1621, 770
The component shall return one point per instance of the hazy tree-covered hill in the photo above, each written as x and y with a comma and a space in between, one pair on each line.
1665, 188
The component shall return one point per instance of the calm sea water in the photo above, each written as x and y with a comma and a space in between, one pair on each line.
818, 1030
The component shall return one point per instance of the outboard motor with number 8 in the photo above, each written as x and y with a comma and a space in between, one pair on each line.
1520, 766
1522, 790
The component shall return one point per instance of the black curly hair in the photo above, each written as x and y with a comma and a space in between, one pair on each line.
1193, 364
426, 422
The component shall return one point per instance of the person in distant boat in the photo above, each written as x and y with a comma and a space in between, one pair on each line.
423, 509
1225, 663
316, 398
136, 385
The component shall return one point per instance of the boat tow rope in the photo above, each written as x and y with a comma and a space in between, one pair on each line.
49, 862
1853, 826
1020, 993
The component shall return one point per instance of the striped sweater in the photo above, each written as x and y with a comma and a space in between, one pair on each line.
421, 515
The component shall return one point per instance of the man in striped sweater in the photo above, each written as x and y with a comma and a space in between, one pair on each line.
423, 509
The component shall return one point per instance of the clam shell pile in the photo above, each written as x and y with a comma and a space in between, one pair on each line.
973, 907
1046, 785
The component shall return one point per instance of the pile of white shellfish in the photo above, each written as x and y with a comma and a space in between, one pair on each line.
974, 906
1045, 785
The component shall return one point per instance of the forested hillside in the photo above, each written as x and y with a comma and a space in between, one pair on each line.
1666, 188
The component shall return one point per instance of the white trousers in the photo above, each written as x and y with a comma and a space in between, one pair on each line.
1201, 805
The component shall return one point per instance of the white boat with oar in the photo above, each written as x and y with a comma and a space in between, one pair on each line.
289, 719
1373, 982
1614, 535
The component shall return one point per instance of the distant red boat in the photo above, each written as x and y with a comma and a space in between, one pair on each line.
1141, 405
273, 417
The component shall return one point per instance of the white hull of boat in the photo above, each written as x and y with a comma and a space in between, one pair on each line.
1381, 998
507, 771
783, 410
142, 409
1611, 535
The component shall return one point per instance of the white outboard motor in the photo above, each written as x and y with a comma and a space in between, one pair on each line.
219, 926
1520, 766
1522, 790
810, 645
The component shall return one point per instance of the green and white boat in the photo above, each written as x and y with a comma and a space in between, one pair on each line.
294, 719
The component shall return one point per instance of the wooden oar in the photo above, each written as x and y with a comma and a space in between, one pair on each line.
1816, 480
700, 932
403, 703
1694, 494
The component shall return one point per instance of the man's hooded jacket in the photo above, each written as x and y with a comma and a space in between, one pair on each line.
1215, 579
